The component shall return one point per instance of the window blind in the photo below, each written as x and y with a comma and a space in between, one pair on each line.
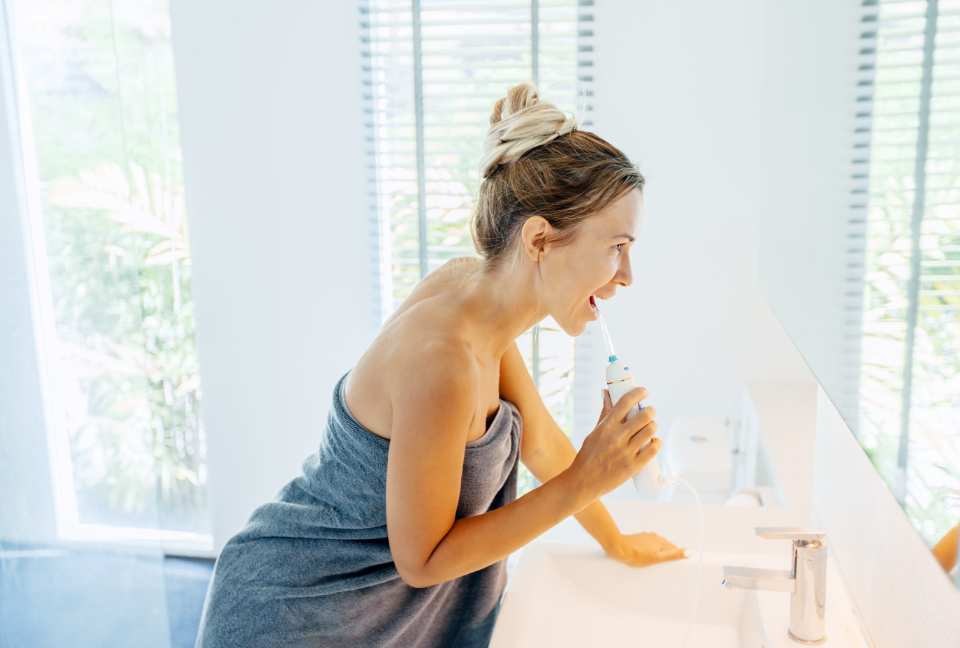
431, 73
902, 290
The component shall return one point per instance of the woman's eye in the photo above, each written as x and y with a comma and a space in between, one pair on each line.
617, 246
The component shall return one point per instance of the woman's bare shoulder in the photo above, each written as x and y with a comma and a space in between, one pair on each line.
436, 369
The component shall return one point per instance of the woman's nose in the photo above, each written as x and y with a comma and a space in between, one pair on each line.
624, 274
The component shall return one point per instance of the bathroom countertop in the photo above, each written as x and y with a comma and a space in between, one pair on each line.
728, 531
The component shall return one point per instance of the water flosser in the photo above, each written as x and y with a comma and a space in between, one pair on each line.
648, 482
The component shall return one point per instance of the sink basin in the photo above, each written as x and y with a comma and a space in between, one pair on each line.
573, 595
562, 590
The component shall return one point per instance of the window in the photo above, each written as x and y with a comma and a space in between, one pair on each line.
903, 290
97, 117
432, 71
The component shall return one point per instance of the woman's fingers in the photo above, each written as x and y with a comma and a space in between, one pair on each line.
667, 550
649, 450
666, 554
673, 555
642, 436
674, 552
607, 405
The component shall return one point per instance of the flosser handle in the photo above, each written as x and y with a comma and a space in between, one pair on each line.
648, 482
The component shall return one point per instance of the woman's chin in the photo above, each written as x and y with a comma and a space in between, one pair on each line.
574, 329
573, 326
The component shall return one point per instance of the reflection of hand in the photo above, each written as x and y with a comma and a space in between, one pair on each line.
642, 549
945, 551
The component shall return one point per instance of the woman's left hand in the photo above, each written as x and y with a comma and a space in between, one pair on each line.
642, 549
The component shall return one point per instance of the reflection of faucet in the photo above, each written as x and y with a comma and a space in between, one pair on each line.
806, 580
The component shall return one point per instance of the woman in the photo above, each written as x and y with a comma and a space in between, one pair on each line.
398, 530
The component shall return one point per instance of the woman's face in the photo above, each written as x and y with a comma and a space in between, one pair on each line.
596, 262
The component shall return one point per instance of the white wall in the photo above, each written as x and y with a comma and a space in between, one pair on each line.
270, 113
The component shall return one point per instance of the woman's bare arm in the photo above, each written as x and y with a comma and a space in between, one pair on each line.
545, 450
432, 413
481, 540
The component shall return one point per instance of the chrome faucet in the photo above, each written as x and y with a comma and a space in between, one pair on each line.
806, 580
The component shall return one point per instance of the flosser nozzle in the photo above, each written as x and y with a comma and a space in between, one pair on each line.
606, 334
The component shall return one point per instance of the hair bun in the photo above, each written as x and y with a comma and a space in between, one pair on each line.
520, 122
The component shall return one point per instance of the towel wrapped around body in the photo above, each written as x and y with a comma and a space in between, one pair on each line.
313, 567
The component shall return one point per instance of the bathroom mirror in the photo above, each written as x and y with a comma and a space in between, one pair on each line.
872, 299
903, 412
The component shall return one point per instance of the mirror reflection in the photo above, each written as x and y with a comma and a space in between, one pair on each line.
893, 321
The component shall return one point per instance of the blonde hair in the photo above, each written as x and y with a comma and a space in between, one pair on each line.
536, 161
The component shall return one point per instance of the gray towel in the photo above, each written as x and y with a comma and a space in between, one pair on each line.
313, 567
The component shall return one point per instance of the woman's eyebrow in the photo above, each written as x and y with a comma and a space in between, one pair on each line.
625, 236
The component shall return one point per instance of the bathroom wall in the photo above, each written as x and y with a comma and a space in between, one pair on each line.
276, 196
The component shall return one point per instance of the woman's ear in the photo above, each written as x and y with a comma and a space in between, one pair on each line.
533, 237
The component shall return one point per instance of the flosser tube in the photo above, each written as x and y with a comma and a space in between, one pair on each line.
649, 482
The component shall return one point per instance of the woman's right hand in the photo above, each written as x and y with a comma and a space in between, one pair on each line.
616, 449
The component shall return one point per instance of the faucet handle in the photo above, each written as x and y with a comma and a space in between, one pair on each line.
790, 533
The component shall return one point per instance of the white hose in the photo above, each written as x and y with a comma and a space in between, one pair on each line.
696, 605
